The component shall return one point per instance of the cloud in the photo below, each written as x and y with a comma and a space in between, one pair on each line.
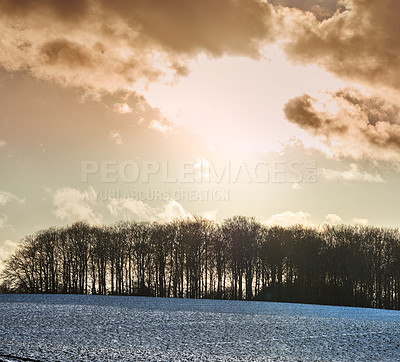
66, 53
215, 27
88, 56
359, 43
68, 10
362, 222
122, 108
163, 127
333, 219
301, 111
289, 218
116, 137
2, 144
350, 123
6, 197
353, 174
209, 215
4, 222
140, 211
296, 186
107, 46
72, 205
130, 208
172, 210
322, 9
7, 247
201, 168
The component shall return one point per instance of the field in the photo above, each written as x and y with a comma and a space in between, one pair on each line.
97, 328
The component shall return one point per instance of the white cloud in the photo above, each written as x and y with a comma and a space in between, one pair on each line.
173, 210
140, 211
6, 197
353, 174
209, 215
160, 127
333, 219
130, 208
296, 186
116, 137
289, 218
202, 169
122, 108
362, 222
7, 247
72, 205
4, 222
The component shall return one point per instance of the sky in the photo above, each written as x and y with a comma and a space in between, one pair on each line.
153, 110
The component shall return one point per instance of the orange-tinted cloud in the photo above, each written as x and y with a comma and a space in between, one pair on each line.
322, 9
62, 51
106, 45
359, 127
360, 44
217, 27
70, 9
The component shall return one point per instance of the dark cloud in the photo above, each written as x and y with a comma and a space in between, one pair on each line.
322, 9
71, 9
217, 27
361, 43
300, 110
360, 127
62, 51
116, 44
376, 108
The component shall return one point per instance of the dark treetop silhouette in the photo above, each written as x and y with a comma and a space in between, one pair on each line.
197, 258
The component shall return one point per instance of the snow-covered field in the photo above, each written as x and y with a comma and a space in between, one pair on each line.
97, 328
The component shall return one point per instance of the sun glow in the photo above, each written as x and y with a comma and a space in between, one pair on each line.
236, 104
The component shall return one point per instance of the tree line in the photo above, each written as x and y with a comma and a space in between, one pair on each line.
238, 258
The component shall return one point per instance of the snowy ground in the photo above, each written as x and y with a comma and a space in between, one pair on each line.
97, 328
